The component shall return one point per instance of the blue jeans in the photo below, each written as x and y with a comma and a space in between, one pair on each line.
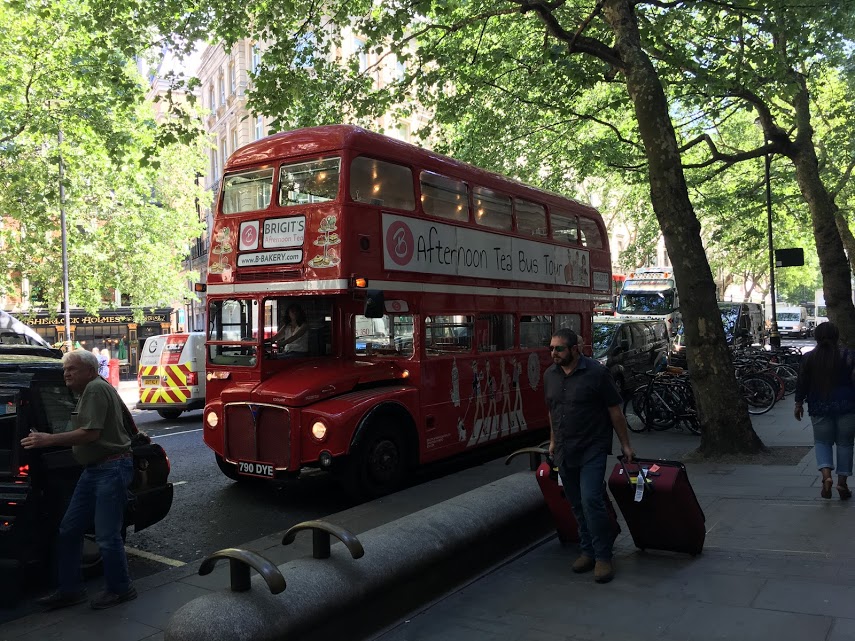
102, 494
831, 430
583, 487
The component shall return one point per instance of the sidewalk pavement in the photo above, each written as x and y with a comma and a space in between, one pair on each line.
777, 565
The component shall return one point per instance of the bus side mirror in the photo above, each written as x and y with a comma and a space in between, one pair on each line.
374, 305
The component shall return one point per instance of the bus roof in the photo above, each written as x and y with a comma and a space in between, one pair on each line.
313, 141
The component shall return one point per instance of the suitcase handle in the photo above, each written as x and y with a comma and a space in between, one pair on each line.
648, 484
659, 461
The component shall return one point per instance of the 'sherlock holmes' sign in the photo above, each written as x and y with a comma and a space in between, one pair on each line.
94, 320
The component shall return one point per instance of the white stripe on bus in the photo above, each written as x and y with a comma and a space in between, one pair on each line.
403, 286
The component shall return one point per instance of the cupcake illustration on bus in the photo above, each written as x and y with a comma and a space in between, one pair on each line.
221, 249
327, 237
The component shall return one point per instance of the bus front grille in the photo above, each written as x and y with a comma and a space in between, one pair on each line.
256, 432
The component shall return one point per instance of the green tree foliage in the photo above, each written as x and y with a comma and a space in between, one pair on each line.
785, 63
528, 88
130, 200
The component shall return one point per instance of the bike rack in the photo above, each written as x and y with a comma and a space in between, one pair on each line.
534, 456
240, 561
321, 531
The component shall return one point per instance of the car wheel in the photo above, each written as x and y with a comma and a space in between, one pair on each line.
169, 415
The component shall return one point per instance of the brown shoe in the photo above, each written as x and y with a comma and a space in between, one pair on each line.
604, 571
583, 564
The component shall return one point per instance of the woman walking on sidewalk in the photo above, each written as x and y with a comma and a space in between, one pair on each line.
825, 380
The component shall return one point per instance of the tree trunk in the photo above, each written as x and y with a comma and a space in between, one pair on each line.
847, 238
836, 273
723, 412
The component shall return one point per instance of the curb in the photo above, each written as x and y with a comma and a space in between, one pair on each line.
407, 563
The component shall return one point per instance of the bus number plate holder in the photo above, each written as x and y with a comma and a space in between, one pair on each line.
255, 468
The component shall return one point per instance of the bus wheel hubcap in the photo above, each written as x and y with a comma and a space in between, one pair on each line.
384, 461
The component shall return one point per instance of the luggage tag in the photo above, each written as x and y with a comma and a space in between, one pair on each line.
641, 481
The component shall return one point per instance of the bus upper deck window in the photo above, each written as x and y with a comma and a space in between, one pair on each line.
492, 209
381, 183
589, 233
309, 182
531, 218
444, 197
247, 191
565, 227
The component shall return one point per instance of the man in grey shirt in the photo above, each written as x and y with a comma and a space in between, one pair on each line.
584, 409
102, 445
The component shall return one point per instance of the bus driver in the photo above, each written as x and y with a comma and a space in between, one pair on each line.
293, 338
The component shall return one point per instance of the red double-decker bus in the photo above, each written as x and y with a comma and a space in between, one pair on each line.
427, 291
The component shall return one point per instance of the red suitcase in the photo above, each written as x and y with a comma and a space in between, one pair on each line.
668, 516
559, 506
553, 493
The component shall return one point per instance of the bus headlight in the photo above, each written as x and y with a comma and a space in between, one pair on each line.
212, 420
319, 430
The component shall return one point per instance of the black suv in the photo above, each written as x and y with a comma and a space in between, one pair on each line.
36, 485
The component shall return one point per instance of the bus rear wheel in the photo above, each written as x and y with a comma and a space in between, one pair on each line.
377, 465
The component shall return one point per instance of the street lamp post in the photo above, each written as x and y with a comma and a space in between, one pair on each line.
774, 336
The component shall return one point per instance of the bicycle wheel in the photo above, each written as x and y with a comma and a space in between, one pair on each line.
789, 375
759, 394
633, 410
660, 407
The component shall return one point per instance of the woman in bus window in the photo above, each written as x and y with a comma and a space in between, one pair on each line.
293, 338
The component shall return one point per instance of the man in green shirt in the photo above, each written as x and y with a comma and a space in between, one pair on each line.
101, 444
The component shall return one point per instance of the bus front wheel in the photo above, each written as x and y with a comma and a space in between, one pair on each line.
377, 466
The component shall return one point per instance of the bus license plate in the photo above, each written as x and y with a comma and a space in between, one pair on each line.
255, 468
151, 380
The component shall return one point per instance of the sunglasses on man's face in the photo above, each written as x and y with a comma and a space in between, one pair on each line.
557, 348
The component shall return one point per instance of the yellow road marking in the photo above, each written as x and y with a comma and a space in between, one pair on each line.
151, 556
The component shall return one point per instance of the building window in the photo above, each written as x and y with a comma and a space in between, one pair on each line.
361, 53
232, 78
234, 140
211, 103
224, 154
215, 166
255, 60
222, 84
259, 127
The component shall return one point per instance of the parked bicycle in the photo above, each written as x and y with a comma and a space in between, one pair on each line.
665, 401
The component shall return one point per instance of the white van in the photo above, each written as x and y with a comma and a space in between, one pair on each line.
171, 374
792, 321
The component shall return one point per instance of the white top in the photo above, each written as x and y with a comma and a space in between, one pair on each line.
299, 345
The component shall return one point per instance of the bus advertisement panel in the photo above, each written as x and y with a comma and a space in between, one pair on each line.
373, 306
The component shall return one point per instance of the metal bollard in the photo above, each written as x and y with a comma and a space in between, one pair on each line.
240, 561
321, 531
534, 456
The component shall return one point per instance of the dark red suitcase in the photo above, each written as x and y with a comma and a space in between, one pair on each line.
558, 505
668, 516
